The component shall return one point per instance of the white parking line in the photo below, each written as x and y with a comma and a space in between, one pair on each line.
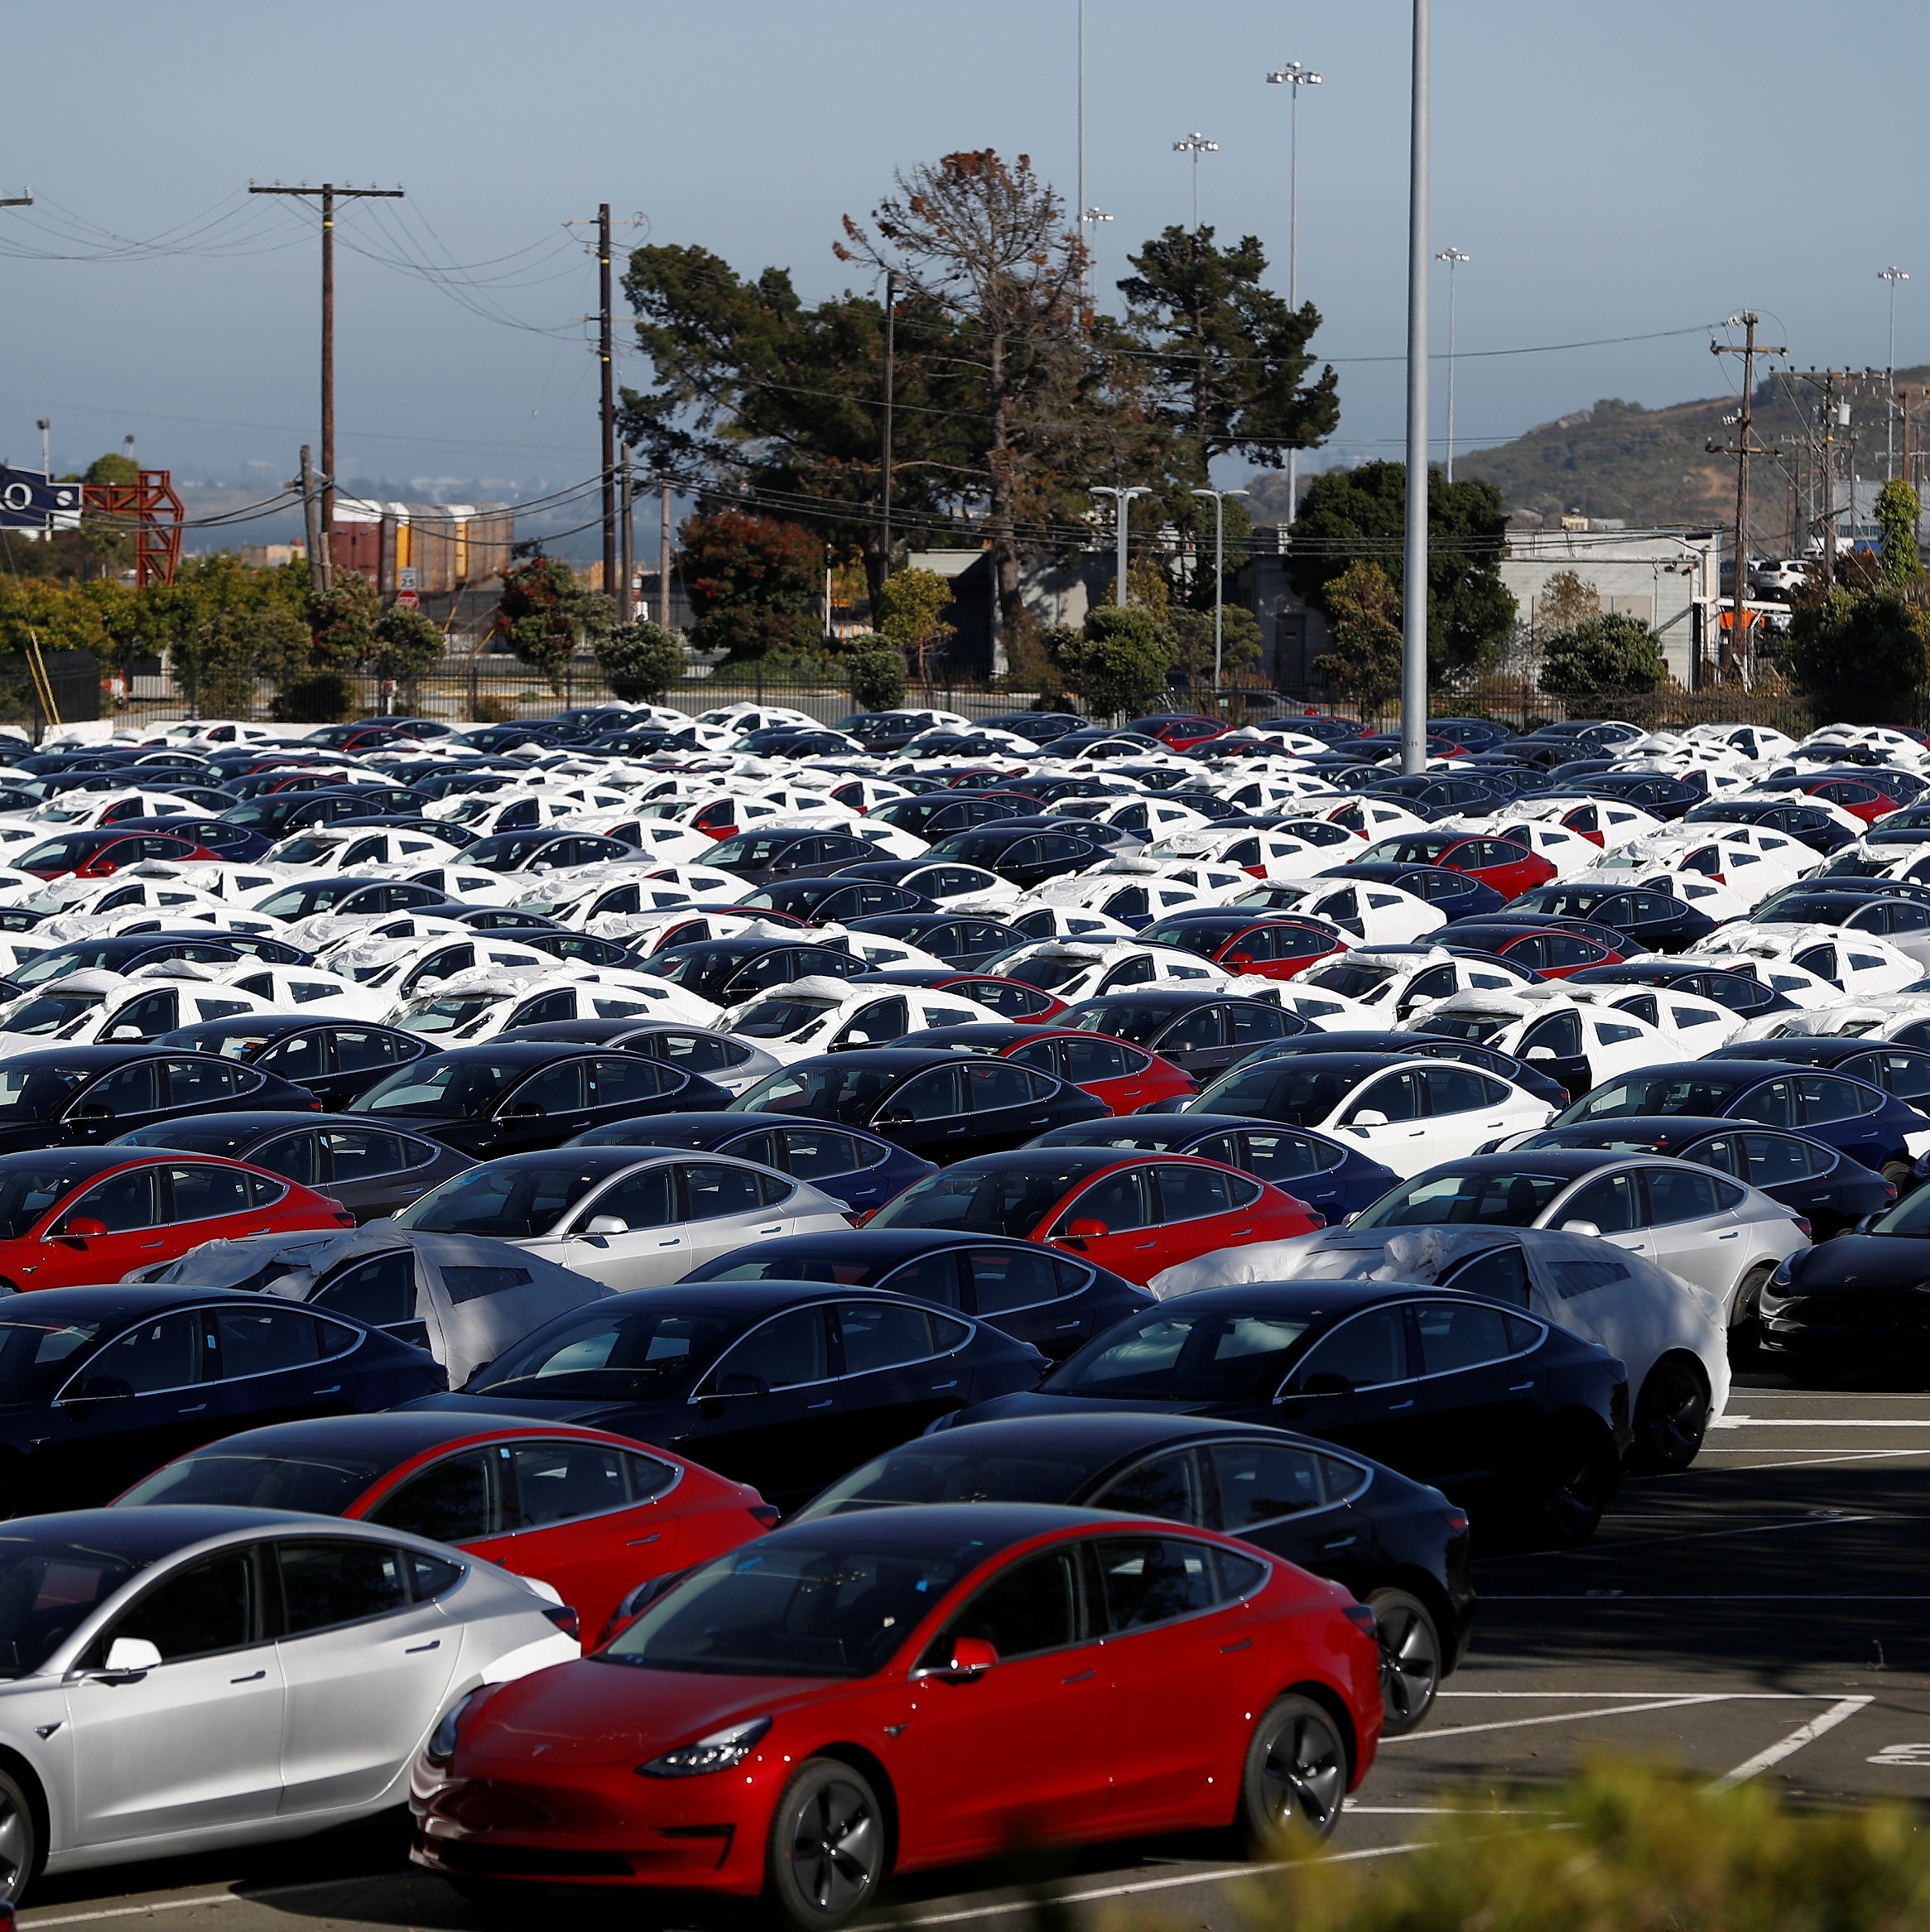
1788, 1746
1822, 1422
1620, 1710
1705, 1596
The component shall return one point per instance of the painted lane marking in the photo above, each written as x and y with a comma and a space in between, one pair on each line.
1843, 1709
1620, 1710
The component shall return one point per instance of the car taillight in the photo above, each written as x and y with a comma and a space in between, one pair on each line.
1457, 1522
1362, 1618
767, 1513
858, 1216
1802, 1224
564, 1617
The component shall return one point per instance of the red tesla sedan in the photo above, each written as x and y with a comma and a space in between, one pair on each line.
1132, 1212
902, 1688
73, 1216
94, 855
1125, 1077
1276, 946
1509, 868
591, 1514
1555, 951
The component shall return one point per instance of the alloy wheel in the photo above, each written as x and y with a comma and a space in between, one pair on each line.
1304, 1774
1410, 1660
835, 1849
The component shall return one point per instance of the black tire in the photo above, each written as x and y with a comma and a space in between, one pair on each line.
1585, 1472
1295, 1777
1745, 1318
825, 1856
1902, 1175
20, 1840
1410, 1660
1672, 1416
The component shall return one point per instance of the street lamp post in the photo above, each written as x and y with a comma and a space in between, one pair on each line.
1195, 144
1219, 498
1892, 276
1454, 258
1414, 569
1122, 498
1297, 75
1093, 216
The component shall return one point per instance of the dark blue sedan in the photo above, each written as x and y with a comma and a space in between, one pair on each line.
1853, 1116
1454, 895
1336, 1179
99, 1386
861, 1170
240, 844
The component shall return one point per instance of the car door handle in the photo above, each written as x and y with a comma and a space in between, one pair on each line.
637, 1542
937, 1386
1394, 1408
1079, 1677
1043, 1120
435, 1643
1235, 1233
335, 1388
776, 1227
675, 1241
267, 1228
193, 1409
253, 1677
828, 1402
1143, 1247
160, 1242
1067, 1328
1246, 1643
1340, 1542
1519, 1388
1733, 1234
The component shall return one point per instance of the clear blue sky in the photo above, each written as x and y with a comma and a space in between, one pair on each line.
1586, 156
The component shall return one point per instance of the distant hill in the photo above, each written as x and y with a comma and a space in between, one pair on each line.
1653, 467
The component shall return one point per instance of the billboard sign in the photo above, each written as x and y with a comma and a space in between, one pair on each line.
30, 499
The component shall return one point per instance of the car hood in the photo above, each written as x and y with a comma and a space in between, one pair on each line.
593, 1712
1863, 1261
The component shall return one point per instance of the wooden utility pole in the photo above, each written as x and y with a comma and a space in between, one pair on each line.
606, 355
891, 347
1827, 379
311, 522
1742, 449
328, 193
627, 556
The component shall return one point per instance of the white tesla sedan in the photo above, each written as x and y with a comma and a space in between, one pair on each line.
180, 1679
626, 1217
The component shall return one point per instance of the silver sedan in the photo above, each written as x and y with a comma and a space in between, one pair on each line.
627, 1217
1706, 1228
180, 1679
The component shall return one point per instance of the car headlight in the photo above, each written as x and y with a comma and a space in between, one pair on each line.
441, 1746
721, 1750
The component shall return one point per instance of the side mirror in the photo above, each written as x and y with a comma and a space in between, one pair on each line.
971, 1658
80, 1228
607, 1224
132, 1653
1369, 1117
126, 1031
895, 1117
1087, 1229
1580, 1227
1540, 1053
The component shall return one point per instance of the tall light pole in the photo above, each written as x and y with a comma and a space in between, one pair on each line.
1122, 498
1296, 74
1079, 195
1414, 575
1090, 216
1893, 277
1454, 258
1219, 498
1195, 144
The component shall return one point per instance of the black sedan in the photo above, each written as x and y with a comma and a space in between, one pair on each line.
1025, 858
722, 1057
958, 939
936, 815
524, 1096
122, 952
831, 901
1819, 829
99, 1386
1482, 1400
1205, 1033
1057, 1302
87, 1095
1333, 1179
1454, 895
334, 1060
1655, 792
373, 1171
1851, 1116
1815, 1182
783, 1385
758, 857
1899, 1069
1399, 1546
1860, 1303
354, 894
1737, 990
942, 1106
544, 849
1650, 921
731, 971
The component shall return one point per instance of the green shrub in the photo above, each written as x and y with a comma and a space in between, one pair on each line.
1612, 652
641, 660
876, 673
1859, 658
323, 697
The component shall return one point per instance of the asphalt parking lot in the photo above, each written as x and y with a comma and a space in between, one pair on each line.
1760, 1616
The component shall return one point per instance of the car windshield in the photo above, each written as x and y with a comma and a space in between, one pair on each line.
1303, 1091
1047, 971
46, 1590
63, 960
999, 1200
35, 1357
1910, 1216
1702, 1091
298, 902
34, 1093
645, 1352
1184, 1354
62, 854
918, 1473
1483, 1198
506, 1200
307, 849
46, 1012
1472, 1028
443, 1089
778, 1019
316, 1483
1203, 936
1349, 982
793, 1611
451, 1013
828, 1093
1124, 1020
